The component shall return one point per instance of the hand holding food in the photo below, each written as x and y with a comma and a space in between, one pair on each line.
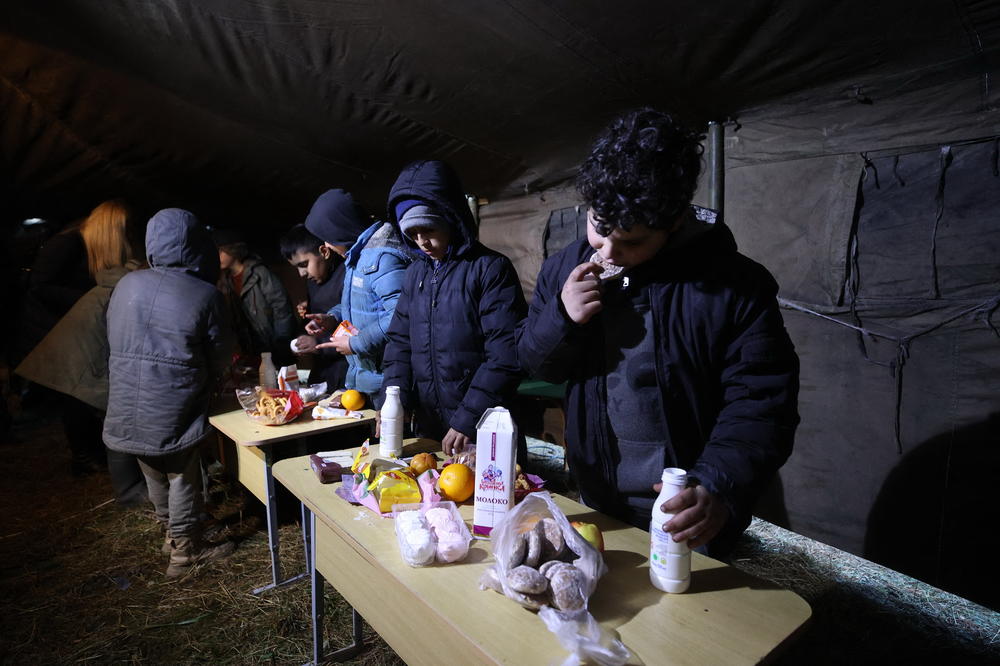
455, 442
581, 294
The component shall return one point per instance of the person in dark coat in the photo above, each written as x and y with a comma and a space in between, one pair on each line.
323, 270
59, 276
671, 342
168, 336
73, 359
451, 342
261, 312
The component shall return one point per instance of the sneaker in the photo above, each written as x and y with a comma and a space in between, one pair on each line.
186, 552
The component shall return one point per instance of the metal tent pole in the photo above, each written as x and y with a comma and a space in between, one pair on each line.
716, 166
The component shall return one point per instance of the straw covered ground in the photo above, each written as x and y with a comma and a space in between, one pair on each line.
81, 581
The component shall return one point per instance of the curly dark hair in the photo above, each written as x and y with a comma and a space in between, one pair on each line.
643, 169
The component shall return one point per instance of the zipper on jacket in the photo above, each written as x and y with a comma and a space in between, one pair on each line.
430, 337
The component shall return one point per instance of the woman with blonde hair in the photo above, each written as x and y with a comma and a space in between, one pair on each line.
73, 357
105, 236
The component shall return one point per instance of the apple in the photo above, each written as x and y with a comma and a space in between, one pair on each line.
591, 533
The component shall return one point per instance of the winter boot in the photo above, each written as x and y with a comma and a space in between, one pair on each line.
211, 530
186, 552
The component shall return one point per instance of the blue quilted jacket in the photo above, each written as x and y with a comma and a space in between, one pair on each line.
373, 278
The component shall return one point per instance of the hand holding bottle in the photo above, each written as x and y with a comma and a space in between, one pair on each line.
698, 515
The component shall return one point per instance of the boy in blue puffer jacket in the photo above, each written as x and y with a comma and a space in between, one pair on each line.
374, 263
451, 344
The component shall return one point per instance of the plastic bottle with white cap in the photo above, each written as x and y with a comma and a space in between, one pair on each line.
267, 373
669, 560
391, 430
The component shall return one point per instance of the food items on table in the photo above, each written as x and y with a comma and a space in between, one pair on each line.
288, 378
457, 482
590, 532
332, 408
327, 470
541, 559
395, 486
439, 522
540, 573
270, 406
416, 543
496, 446
423, 462
352, 400
450, 532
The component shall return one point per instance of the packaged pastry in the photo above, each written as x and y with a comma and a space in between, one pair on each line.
449, 536
394, 486
270, 406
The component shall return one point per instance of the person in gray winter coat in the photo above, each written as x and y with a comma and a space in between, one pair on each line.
168, 340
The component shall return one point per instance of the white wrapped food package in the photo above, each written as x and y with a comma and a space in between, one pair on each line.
429, 532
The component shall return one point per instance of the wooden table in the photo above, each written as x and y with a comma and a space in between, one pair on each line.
438, 615
255, 458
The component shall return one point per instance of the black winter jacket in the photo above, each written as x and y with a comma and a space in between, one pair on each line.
725, 366
451, 342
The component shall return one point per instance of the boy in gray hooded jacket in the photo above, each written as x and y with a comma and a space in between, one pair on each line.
168, 344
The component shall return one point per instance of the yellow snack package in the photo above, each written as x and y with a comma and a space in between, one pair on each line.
394, 486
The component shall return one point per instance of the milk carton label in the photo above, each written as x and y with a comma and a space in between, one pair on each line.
496, 437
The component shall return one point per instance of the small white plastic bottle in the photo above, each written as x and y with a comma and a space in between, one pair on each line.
267, 374
391, 437
669, 561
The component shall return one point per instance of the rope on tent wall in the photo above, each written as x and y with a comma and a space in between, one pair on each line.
946, 160
984, 310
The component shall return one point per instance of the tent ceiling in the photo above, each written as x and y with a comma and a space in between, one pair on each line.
248, 110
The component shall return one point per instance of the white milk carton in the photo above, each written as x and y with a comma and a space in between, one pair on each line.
496, 450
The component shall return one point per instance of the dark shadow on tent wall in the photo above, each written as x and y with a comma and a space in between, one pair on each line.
918, 268
937, 514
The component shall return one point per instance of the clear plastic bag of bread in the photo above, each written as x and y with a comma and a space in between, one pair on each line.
544, 564
270, 406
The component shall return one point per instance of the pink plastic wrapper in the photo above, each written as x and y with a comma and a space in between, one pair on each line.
354, 489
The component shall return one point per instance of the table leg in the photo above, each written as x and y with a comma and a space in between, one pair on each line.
273, 535
317, 589
307, 536
318, 609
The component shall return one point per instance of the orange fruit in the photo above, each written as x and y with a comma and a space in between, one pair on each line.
423, 462
352, 400
457, 482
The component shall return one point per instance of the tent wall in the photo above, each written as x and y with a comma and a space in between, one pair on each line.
892, 455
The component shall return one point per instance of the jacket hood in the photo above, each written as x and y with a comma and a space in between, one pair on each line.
337, 218
435, 183
176, 239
